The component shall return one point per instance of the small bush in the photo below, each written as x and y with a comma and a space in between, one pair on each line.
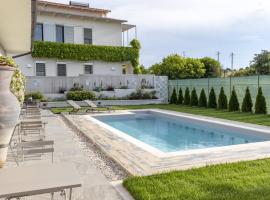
260, 105
34, 96
202, 99
173, 99
187, 97
247, 102
139, 94
233, 103
180, 97
222, 99
212, 102
80, 95
194, 98
76, 87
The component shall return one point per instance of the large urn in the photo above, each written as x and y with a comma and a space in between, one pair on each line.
9, 111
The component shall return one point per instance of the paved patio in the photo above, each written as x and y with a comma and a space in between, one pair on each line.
67, 149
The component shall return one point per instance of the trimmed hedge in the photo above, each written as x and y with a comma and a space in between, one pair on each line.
222, 99
173, 99
194, 98
80, 95
187, 97
83, 52
180, 98
260, 105
233, 103
247, 102
203, 99
212, 102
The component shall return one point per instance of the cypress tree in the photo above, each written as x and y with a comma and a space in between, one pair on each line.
222, 99
180, 97
260, 105
173, 99
187, 97
202, 99
247, 102
212, 102
194, 98
233, 103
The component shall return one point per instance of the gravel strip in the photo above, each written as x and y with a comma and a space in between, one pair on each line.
107, 166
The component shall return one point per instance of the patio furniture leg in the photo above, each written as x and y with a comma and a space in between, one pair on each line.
52, 195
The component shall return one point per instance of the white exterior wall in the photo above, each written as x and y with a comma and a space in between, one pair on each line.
104, 33
27, 65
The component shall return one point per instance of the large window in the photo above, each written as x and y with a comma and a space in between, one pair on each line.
40, 69
88, 69
59, 33
39, 32
61, 70
88, 36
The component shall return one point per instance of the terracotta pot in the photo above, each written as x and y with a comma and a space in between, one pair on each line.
9, 111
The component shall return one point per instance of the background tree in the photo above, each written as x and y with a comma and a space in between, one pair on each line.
173, 99
212, 102
180, 97
187, 97
233, 103
222, 99
140, 70
260, 105
177, 67
212, 67
247, 102
202, 99
261, 62
194, 98
248, 71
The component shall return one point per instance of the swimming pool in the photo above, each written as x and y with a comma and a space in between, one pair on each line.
169, 133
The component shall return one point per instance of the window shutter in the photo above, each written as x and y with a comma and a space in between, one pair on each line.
69, 34
49, 32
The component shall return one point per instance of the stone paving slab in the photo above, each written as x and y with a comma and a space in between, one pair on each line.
94, 184
139, 161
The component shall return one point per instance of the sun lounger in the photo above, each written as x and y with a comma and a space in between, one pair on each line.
94, 107
75, 106
38, 179
34, 148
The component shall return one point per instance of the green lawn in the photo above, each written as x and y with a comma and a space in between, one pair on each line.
238, 181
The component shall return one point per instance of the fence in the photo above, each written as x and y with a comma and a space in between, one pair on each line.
239, 83
56, 85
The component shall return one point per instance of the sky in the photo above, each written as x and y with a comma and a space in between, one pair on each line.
197, 27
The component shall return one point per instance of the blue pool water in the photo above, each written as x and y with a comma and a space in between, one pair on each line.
176, 134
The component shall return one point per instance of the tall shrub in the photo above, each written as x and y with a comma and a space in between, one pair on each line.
212, 102
194, 98
247, 102
222, 100
202, 99
260, 105
173, 99
187, 97
233, 103
180, 97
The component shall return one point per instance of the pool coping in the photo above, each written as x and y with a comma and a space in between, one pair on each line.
139, 159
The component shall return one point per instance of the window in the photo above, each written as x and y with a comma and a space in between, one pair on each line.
61, 70
40, 69
59, 33
39, 32
88, 69
88, 36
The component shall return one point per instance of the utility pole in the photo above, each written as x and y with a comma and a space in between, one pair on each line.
232, 60
184, 54
218, 54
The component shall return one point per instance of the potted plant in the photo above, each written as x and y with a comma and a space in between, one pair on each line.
9, 106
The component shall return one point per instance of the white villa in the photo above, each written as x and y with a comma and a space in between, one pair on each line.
76, 23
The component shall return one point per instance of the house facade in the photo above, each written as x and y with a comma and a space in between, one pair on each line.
78, 25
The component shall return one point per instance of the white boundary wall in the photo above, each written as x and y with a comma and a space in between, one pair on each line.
51, 86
